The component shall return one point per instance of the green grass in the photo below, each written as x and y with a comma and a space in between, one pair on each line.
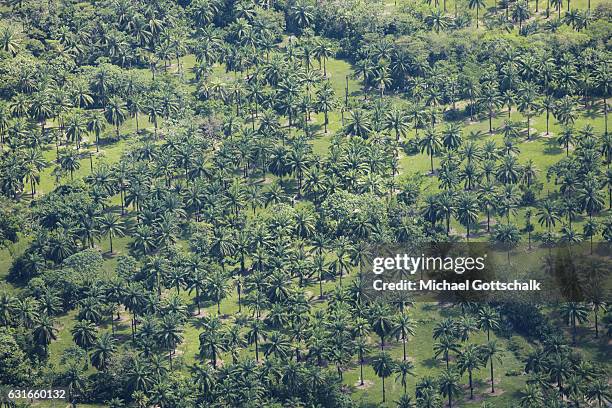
420, 350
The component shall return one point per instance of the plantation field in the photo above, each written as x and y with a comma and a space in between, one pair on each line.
542, 149
206, 251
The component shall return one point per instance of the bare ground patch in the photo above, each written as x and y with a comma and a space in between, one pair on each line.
366, 384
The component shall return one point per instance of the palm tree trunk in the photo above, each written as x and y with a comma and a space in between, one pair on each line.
574, 330
492, 383
528, 124
471, 388
256, 350
605, 115
361, 368
320, 285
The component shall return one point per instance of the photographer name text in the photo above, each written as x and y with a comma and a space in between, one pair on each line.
467, 285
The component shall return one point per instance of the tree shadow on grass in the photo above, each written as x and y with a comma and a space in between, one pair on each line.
594, 110
430, 363
477, 135
552, 148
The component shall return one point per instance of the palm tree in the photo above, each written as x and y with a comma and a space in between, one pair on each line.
431, 144
444, 346
69, 161
358, 124
322, 51
197, 281
256, 334
44, 332
75, 128
361, 348
488, 319
403, 369
489, 98
325, 101
566, 111
597, 304
437, 20
599, 390
548, 103
469, 360
445, 205
573, 313
590, 229
404, 327
508, 235
103, 350
134, 108
217, 288
84, 334
383, 366
111, 225
548, 215
559, 368
169, 335
115, 113
449, 385
302, 15
381, 322
41, 109
212, 342
602, 80
405, 402
397, 121
139, 377
528, 104
590, 197
491, 351
25, 309
278, 345
75, 382
298, 162
476, 4
532, 397
96, 124
451, 137
9, 39
467, 210
520, 13
153, 111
